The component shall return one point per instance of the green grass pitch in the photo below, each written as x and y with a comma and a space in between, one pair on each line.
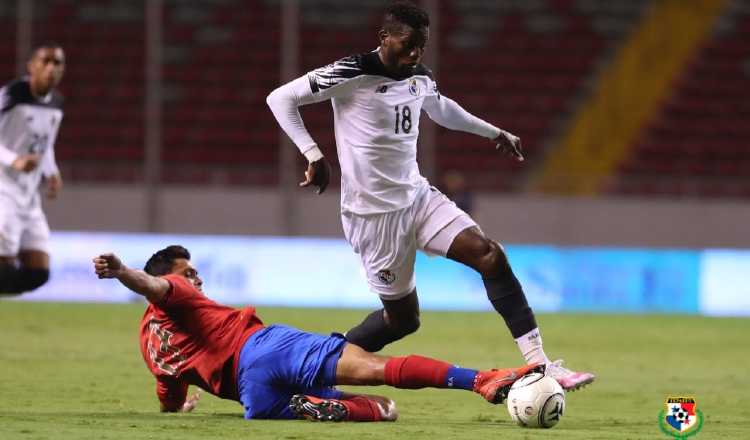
73, 371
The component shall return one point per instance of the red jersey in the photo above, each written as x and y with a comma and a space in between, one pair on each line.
188, 339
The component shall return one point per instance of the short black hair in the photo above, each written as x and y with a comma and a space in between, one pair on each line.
405, 12
45, 45
161, 263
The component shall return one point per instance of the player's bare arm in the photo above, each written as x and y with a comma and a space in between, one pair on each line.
449, 114
110, 266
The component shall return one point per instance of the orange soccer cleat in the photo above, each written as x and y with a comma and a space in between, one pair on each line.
494, 385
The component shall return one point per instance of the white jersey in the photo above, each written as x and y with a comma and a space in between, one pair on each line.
376, 123
27, 126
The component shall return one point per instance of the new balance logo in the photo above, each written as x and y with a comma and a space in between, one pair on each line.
381, 89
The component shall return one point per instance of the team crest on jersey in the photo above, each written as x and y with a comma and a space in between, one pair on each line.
681, 419
414, 87
386, 277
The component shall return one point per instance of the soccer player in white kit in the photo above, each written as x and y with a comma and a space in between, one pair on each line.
388, 210
30, 116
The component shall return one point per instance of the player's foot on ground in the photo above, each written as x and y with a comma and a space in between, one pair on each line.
316, 409
568, 379
494, 385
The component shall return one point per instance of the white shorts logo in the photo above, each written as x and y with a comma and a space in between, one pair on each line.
386, 277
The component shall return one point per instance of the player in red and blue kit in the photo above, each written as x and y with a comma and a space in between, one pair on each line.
275, 372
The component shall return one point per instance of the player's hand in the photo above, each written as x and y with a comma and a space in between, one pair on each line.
107, 266
318, 174
26, 163
191, 402
509, 144
54, 185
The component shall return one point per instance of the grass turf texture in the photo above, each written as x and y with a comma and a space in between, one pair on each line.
73, 371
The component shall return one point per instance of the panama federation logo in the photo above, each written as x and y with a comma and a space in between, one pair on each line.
413, 87
681, 418
386, 277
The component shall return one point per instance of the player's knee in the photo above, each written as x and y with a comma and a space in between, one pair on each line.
492, 261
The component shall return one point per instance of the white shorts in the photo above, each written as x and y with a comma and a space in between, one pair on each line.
387, 243
22, 229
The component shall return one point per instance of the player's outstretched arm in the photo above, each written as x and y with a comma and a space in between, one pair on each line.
110, 266
450, 114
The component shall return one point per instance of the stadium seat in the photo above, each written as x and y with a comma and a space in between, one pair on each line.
701, 132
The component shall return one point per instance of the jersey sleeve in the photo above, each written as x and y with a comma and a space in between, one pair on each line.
171, 392
180, 293
7, 156
333, 81
448, 113
49, 163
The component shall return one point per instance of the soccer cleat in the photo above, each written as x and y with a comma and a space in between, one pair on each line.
318, 410
494, 385
568, 379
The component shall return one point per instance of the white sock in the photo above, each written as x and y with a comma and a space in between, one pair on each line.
530, 345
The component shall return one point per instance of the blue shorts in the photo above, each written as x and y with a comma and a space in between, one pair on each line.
278, 362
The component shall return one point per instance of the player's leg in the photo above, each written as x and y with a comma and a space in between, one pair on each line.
34, 268
32, 255
448, 231
359, 367
356, 366
11, 230
8, 275
504, 291
345, 407
397, 318
387, 248
31, 272
473, 249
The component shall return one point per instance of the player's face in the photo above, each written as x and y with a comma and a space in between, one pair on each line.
46, 68
403, 49
186, 269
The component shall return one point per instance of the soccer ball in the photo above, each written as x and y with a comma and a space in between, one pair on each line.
536, 401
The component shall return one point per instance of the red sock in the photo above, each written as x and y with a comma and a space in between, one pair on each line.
416, 372
362, 409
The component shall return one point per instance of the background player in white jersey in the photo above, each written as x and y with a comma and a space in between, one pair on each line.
388, 209
30, 115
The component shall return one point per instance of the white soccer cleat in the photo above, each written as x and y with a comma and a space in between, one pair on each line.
568, 379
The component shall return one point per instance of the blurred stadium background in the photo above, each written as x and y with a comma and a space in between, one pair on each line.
634, 117
634, 114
